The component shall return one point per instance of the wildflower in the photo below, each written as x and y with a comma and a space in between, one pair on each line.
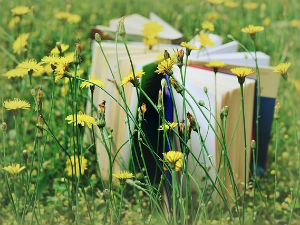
101, 115
165, 67
159, 101
14, 169
172, 157
231, 4
130, 77
250, 5
150, 41
176, 86
215, 2
178, 165
52, 60
212, 16
192, 121
188, 47
295, 23
121, 27
282, 68
62, 15
123, 175
75, 163
81, 119
56, 51
73, 18
13, 22
20, 43
16, 104
241, 73
251, 29
277, 111
167, 126
267, 21
60, 72
205, 40
17, 72
215, 65
151, 29
209, 26
31, 66
20, 10
179, 56
91, 79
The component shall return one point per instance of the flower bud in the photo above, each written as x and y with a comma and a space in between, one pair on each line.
179, 55
277, 111
176, 86
101, 115
159, 100
4, 126
192, 121
166, 54
253, 144
201, 103
78, 48
163, 83
205, 90
98, 38
224, 112
121, 28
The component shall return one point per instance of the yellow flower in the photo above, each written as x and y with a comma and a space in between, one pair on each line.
52, 60
178, 165
205, 40
62, 15
295, 23
70, 56
231, 4
31, 65
73, 18
267, 21
91, 79
215, 64
55, 50
150, 42
173, 156
151, 29
209, 26
212, 16
188, 46
20, 43
75, 163
215, 2
165, 67
14, 169
282, 68
167, 126
130, 77
16, 104
250, 5
14, 21
17, 72
123, 175
82, 119
241, 71
20, 10
251, 29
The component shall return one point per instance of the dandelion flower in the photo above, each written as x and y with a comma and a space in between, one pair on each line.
241, 71
188, 47
130, 77
16, 104
282, 68
173, 156
150, 42
250, 5
295, 23
62, 15
165, 67
267, 21
168, 126
75, 163
73, 18
52, 60
178, 165
20, 10
205, 40
20, 43
151, 29
212, 16
123, 175
231, 4
17, 72
55, 50
251, 29
82, 119
93, 79
13, 22
31, 66
215, 2
209, 26
14, 169
215, 65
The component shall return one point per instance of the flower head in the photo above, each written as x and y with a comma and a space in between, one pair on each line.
212, 16
16, 104
178, 165
165, 67
20, 10
205, 40
188, 47
62, 15
55, 51
209, 26
241, 73
20, 43
81, 119
215, 65
52, 60
282, 68
123, 175
215, 2
73, 18
17, 72
14, 169
252, 30
151, 29
13, 22
172, 157
130, 77
168, 126
31, 65
250, 5
231, 4
91, 79
75, 164
150, 41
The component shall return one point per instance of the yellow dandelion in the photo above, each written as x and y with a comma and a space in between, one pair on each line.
55, 50
205, 40
93, 79
20, 10
267, 21
73, 18
188, 46
212, 16
31, 66
130, 77
150, 42
295, 23
168, 126
215, 2
60, 72
14, 169
16, 104
251, 29
17, 72
178, 165
14, 21
209, 26
75, 163
123, 175
81, 119
231, 4
62, 15
215, 65
282, 68
52, 60
250, 5
165, 67
172, 157
151, 29
241, 71
69, 56
20, 43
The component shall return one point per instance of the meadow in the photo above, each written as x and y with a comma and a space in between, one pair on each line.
49, 172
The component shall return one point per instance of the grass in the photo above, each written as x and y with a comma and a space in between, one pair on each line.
49, 191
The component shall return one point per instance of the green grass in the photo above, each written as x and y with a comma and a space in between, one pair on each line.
41, 193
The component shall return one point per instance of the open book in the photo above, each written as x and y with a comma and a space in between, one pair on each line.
198, 77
